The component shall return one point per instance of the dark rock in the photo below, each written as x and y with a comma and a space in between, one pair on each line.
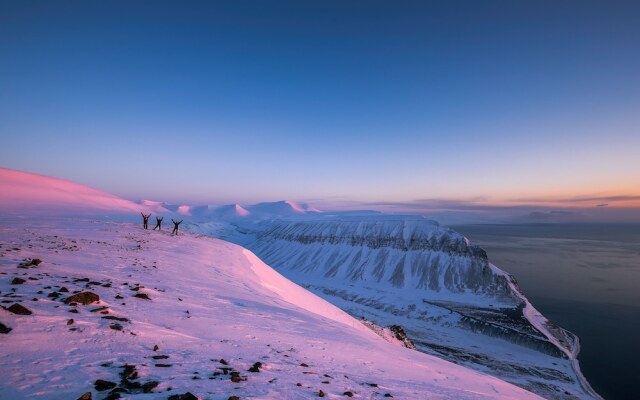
97, 309
348, 394
129, 372
160, 357
36, 262
73, 310
256, 367
116, 327
155, 347
113, 317
320, 393
101, 385
64, 290
81, 280
372, 384
19, 309
4, 329
304, 365
388, 395
233, 398
119, 297
70, 321
147, 387
184, 396
54, 295
142, 296
113, 395
83, 298
163, 365
86, 396
17, 281
224, 362
235, 377
298, 384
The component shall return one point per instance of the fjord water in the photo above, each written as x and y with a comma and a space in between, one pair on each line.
585, 278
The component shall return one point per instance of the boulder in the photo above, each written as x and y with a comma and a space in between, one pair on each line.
82, 298
4, 329
19, 309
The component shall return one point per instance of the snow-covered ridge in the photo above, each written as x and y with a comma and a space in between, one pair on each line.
25, 193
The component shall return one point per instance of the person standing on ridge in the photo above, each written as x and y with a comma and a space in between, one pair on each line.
158, 223
175, 226
145, 220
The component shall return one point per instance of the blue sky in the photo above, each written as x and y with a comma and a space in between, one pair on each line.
330, 102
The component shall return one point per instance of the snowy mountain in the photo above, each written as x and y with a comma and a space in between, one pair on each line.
31, 194
410, 272
93, 305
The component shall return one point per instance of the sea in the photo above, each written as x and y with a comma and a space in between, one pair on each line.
585, 278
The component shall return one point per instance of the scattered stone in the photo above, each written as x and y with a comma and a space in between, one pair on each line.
320, 393
36, 262
256, 367
86, 396
54, 295
102, 385
388, 395
81, 280
184, 396
235, 377
163, 365
233, 398
84, 298
142, 296
304, 365
325, 382
129, 372
19, 309
99, 309
156, 348
372, 384
4, 329
73, 310
147, 387
116, 327
113, 395
348, 394
118, 297
298, 384
224, 362
160, 357
17, 281
64, 290
113, 317
70, 321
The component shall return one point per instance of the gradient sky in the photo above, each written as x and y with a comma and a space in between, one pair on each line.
497, 103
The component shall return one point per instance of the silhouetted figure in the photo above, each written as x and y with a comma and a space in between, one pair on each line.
158, 223
175, 226
145, 220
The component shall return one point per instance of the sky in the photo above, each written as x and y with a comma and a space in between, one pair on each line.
530, 107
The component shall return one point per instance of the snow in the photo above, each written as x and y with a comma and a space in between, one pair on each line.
25, 193
209, 300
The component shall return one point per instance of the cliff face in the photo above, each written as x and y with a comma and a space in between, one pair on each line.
398, 254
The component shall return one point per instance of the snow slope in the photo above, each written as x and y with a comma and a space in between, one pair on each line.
213, 310
25, 193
